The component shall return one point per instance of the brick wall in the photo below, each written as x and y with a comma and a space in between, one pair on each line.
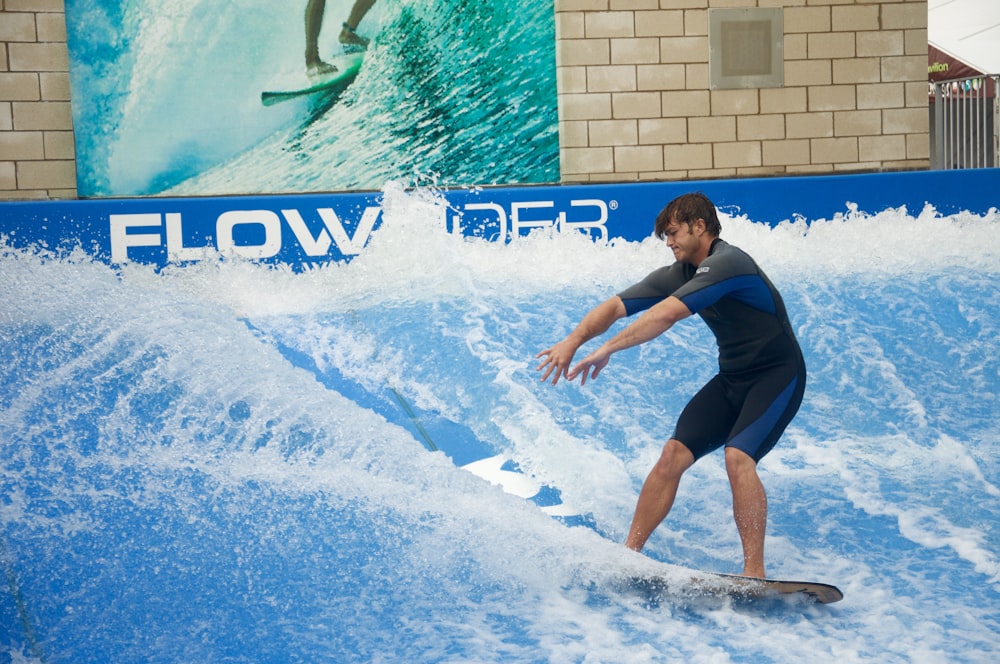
634, 97
635, 101
37, 153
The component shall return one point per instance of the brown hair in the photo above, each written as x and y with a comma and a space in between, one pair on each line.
687, 209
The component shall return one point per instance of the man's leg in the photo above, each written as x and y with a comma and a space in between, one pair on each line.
358, 11
658, 492
749, 509
314, 21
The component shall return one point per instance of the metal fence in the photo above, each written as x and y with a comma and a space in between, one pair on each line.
964, 121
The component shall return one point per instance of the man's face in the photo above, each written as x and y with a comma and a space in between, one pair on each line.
683, 240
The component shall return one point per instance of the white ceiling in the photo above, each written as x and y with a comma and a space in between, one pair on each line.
968, 30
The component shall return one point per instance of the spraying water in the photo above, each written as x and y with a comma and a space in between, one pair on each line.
183, 481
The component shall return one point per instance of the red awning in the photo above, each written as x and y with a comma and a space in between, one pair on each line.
944, 67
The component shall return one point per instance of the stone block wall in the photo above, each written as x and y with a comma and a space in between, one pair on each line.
634, 96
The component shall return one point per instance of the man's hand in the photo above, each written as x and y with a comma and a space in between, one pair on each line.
590, 366
557, 359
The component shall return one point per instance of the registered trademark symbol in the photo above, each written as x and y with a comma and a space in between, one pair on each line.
613, 205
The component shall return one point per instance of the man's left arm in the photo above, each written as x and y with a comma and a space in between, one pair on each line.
654, 321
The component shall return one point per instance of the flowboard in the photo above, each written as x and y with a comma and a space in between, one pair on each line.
737, 587
301, 85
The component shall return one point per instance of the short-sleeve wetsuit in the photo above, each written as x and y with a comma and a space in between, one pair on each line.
762, 374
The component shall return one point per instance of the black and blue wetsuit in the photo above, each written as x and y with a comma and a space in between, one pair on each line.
762, 375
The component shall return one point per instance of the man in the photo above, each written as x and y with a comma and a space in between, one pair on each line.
316, 66
761, 378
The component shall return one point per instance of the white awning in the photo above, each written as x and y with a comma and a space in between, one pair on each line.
968, 30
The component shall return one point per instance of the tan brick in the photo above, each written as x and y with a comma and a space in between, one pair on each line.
30, 115
639, 158
683, 4
587, 160
760, 171
38, 57
3, 57
905, 68
857, 123
684, 49
882, 148
8, 179
645, 50
915, 42
760, 127
18, 27
854, 18
660, 77
688, 156
59, 145
783, 100
659, 23
51, 27
857, 70
809, 125
806, 19
569, 25
696, 22
581, 5
19, 87
810, 169
661, 131
881, 95
696, 76
612, 132
712, 129
735, 102
611, 78
915, 93
834, 150
635, 5
574, 134
795, 47
905, 16
737, 155
905, 121
54, 86
609, 24
785, 153
635, 105
34, 5
685, 103
808, 72
878, 44
6, 116
46, 174
918, 146
19, 145
571, 80
574, 52
832, 98
832, 45
585, 107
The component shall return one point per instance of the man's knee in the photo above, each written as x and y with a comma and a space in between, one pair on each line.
674, 459
738, 461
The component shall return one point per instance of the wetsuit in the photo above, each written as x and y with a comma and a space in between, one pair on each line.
762, 375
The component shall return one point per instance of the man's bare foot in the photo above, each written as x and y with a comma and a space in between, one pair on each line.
320, 68
349, 37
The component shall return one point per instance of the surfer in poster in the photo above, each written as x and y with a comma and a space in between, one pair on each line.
761, 378
349, 37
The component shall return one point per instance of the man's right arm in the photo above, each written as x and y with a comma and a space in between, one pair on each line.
559, 357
